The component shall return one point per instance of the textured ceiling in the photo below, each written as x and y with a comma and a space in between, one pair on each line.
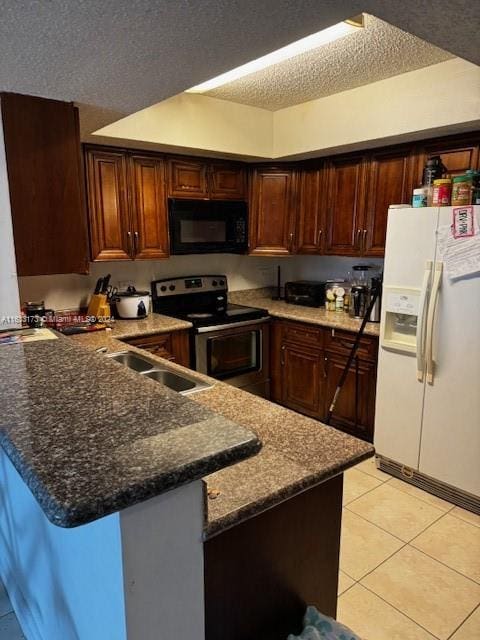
124, 55
374, 53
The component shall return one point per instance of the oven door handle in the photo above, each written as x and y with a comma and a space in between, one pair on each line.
231, 325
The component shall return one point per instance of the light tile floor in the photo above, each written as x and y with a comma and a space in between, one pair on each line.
409, 564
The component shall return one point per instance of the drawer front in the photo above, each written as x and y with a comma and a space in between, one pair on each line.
342, 342
299, 333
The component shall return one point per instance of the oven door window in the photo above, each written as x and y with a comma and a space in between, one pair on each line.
231, 355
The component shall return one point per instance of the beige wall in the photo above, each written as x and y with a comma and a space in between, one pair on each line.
443, 95
443, 98
198, 122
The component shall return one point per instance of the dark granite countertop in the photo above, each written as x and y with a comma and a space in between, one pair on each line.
298, 452
262, 298
152, 324
90, 437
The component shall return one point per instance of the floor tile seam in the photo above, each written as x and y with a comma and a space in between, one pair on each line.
403, 493
472, 580
452, 506
376, 525
366, 492
396, 536
463, 519
370, 475
462, 623
399, 611
405, 544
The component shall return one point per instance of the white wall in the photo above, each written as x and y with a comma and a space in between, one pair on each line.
9, 302
243, 272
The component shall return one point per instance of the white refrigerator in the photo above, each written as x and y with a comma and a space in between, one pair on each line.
427, 424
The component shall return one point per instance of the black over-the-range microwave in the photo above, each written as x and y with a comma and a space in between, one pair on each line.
208, 226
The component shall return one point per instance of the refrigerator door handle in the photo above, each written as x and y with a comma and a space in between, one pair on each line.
422, 320
437, 279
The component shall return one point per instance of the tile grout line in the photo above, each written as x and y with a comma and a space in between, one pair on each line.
408, 544
445, 565
463, 519
366, 492
395, 536
452, 506
402, 492
372, 476
375, 525
462, 623
399, 611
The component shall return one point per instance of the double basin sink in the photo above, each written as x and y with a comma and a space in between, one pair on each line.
180, 382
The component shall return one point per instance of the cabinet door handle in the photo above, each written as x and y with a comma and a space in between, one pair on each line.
364, 241
291, 242
325, 365
135, 241
319, 239
282, 359
357, 239
130, 244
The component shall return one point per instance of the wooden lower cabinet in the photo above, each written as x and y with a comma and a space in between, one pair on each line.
355, 407
306, 364
172, 346
303, 376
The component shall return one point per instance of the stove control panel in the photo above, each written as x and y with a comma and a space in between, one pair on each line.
190, 284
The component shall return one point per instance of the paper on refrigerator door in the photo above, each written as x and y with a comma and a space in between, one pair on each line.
460, 253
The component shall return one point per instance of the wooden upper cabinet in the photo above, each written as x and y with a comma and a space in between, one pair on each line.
388, 182
110, 230
311, 214
272, 212
149, 207
42, 145
227, 181
187, 178
455, 155
345, 185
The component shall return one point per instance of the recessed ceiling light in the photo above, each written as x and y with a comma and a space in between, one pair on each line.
313, 41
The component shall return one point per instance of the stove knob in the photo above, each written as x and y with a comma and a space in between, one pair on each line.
163, 288
214, 283
172, 287
222, 282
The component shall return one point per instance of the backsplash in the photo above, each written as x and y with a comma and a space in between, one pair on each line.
243, 272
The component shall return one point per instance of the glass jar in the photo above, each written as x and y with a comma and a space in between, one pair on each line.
462, 190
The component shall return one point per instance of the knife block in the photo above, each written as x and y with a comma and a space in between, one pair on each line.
98, 306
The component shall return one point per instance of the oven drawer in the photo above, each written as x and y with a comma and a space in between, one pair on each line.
342, 342
296, 332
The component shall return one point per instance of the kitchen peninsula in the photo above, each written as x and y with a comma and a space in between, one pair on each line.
135, 452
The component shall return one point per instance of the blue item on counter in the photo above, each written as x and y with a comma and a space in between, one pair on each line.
320, 627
